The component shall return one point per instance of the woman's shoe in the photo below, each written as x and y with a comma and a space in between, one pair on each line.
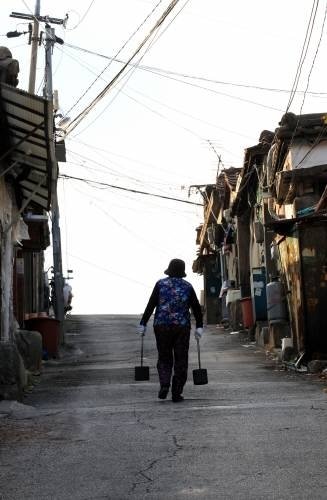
164, 389
177, 398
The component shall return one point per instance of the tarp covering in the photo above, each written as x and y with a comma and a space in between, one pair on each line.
31, 158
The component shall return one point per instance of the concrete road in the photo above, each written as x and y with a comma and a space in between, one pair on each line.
88, 431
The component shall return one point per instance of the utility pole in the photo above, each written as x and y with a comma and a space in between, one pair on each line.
56, 236
34, 47
50, 40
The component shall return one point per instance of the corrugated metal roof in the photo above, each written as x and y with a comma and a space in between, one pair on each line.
310, 125
31, 154
247, 181
229, 177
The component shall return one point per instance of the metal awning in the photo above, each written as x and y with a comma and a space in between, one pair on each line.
31, 156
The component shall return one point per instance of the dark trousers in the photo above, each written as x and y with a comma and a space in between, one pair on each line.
173, 345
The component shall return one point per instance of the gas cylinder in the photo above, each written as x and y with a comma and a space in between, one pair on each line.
276, 306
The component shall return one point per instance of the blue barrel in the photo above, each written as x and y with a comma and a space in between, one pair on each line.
259, 293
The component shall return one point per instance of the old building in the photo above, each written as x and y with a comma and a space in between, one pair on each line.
216, 259
265, 234
27, 163
297, 175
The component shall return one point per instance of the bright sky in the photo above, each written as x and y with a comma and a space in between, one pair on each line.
151, 132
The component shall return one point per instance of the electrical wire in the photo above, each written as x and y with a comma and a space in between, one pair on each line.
156, 112
134, 67
160, 21
213, 91
110, 271
106, 185
169, 107
61, 56
113, 172
162, 248
167, 76
29, 9
119, 51
248, 101
155, 69
40, 85
190, 131
129, 72
150, 207
314, 144
304, 51
321, 133
314, 57
83, 17
132, 233
187, 114
125, 77
150, 165
153, 180
169, 187
65, 219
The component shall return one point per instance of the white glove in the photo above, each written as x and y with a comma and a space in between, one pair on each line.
141, 329
198, 333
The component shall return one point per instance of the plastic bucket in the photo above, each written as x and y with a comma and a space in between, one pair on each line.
247, 312
286, 342
49, 329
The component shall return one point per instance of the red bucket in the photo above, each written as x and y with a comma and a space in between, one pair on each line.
49, 329
247, 312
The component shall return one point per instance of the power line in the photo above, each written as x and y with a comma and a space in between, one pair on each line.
188, 213
154, 69
315, 56
190, 84
90, 181
110, 271
186, 114
65, 219
119, 51
154, 111
163, 187
304, 51
84, 16
134, 67
127, 77
132, 233
82, 115
207, 89
190, 131
116, 173
307, 86
218, 92
107, 169
128, 158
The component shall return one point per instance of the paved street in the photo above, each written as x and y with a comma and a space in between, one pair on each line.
89, 431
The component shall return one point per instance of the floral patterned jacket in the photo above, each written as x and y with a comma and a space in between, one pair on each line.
173, 298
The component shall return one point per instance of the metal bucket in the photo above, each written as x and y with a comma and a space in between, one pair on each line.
142, 372
200, 375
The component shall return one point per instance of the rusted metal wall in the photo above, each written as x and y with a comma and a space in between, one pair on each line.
313, 248
304, 271
291, 278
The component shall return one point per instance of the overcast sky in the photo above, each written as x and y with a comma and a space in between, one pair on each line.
199, 90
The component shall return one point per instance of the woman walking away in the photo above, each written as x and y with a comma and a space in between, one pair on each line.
172, 298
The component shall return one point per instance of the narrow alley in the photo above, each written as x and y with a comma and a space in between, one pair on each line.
89, 431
